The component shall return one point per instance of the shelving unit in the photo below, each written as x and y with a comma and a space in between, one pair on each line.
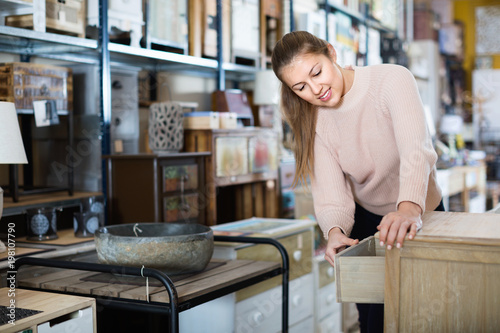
102, 53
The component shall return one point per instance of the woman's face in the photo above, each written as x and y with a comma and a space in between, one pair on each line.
315, 78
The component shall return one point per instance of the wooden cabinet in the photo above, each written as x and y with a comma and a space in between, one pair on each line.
241, 172
156, 188
445, 280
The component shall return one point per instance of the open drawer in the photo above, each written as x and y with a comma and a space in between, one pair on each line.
360, 272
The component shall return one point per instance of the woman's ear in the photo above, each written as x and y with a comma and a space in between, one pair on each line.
332, 52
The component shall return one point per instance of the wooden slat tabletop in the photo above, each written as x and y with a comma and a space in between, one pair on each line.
224, 274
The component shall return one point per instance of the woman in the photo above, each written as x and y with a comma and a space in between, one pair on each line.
360, 135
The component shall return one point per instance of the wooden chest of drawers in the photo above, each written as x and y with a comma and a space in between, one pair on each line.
445, 280
156, 188
23, 83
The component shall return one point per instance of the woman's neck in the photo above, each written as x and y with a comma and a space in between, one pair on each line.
348, 78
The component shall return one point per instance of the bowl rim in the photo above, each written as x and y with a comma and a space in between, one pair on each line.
208, 230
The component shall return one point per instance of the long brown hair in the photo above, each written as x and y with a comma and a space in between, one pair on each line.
300, 115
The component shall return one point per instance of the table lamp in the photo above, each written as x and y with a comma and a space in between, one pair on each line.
266, 95
11, 144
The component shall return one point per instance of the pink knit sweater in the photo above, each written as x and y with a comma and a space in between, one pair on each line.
373, 148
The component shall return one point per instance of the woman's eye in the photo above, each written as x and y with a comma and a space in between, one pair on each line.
318, 73
302, 88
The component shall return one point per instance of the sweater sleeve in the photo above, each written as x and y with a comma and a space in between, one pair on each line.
417, 154
332, 196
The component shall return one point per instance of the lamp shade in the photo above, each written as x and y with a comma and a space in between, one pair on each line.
11, 142
266, 88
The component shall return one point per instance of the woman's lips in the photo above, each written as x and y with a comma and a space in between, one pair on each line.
326, 96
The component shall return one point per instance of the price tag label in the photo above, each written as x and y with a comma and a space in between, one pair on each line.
45, 113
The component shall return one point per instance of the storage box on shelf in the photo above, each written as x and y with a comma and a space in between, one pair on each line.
64, 17
271, 26
430, 283
241, 171
22, 84
245, 32
156, 188
167, 25
126, 16
258, 309
203, 29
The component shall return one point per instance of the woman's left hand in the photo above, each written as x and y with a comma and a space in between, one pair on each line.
394, 226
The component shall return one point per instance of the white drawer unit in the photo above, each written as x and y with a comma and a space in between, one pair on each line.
327, 312
259, 307
331, 324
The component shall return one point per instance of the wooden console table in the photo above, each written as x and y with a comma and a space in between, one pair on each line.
464, 180
117, 286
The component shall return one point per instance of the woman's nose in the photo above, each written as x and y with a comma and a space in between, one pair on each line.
316, 88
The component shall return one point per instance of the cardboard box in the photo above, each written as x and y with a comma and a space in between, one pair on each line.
201, 120
228, 120
67, 17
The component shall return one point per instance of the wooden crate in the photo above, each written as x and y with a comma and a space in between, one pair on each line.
66, 17
22, 83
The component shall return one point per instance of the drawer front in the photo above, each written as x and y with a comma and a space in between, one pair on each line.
326, 273
124, 90
180, 208
300, 252
263, 152
83, 320
301, 298
360, 273
231, 156
262, 313
307, 325
327, 301
298, 246
331, 324
179, 177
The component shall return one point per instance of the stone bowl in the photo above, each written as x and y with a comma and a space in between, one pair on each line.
173, 248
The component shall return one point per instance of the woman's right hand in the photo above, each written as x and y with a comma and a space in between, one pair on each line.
337, 241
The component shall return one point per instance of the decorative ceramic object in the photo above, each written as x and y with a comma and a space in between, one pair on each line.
42, 223
166, 132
